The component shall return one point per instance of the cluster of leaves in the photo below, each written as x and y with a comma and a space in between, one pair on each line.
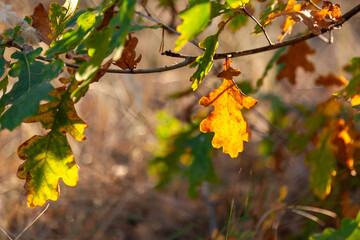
101, 37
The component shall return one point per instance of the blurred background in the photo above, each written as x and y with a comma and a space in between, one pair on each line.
115, 196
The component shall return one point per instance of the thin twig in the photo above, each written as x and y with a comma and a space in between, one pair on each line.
259, 24
32, 222
313, 4
4, 231
165, 26
184, 63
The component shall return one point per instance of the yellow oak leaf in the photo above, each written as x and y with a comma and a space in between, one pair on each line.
226, 121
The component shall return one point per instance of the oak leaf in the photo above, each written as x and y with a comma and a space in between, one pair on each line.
331, 80
196, 17
342, 143
315, 20
294, 58
49, 157
41, 23
226, 121
128, 58
323, 167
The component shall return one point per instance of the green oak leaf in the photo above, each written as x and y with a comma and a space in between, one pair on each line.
201, 168
60, 15
73, 37
323, 165
237, 22
5, 81
196, 18
236, 3
3, 62
3, 86
354, 66
271, 7
349, 230
122, 22
61, 114
32, 87
217, 9
204, 61
353, 87
97, 45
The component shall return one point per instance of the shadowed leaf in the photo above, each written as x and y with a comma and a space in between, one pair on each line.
294, 58
41, 23
32, 87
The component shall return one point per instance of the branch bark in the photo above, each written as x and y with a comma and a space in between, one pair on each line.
305, 37
189, 59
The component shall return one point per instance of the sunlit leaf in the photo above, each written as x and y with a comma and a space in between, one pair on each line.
271, 7
97, 45
226, 121
73, 38
204, 61
236, 3
122, 22
49, 157
196, 18
315, 20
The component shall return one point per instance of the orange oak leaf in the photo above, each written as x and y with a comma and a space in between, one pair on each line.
342, 143
315, 20
331, 80
294, 58
226, 121
128, 58
41, 23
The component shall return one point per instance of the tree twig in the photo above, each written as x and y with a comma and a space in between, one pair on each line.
259, 24
305, 37
5, 232
166, 27
313, 4
189, 59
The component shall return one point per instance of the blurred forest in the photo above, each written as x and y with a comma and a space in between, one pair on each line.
116, 197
